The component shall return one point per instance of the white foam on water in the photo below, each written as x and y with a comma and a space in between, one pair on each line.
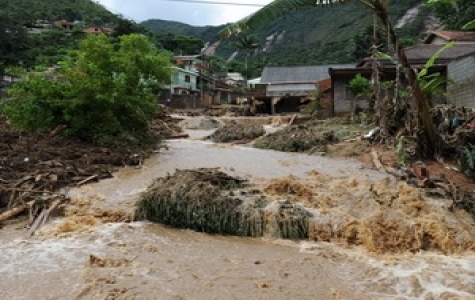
418, 276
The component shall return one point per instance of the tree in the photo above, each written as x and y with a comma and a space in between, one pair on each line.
455, 14
279, 8
103, 93
246, 43
362, 42
360, 87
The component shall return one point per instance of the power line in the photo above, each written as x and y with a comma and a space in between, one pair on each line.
217, 3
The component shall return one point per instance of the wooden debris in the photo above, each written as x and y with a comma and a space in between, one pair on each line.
44, 216
13, 212
88, 179
377, 160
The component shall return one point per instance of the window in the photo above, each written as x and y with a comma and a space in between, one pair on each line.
187, 78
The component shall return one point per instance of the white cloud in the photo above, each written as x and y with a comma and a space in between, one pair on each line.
185, 12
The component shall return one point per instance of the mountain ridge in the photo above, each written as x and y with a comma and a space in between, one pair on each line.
310, 36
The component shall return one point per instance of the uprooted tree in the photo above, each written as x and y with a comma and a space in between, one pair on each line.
102, 92
429, 141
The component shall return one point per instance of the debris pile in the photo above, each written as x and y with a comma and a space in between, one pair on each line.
298, 138
456, 125
228, 111
33, 167
238, 132
211, 201
199, 123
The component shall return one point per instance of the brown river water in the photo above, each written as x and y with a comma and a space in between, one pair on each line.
85, 257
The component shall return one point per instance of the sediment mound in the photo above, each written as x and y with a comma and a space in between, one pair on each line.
212, 201
201, 123
238, 132
297, 138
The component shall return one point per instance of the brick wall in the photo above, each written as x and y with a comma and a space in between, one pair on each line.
462, 91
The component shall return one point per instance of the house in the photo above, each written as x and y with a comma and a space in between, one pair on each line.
461, 90
94, 30
233, 79
289, 87
39, 26
65, 24
183, 89
443, 37
194, 63
418, 55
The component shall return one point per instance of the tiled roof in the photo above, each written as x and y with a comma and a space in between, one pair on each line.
426, 51
301, 74
461, 36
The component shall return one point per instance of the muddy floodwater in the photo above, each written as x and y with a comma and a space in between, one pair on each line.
86, 257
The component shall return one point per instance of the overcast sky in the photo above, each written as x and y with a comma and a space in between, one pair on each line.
183, 11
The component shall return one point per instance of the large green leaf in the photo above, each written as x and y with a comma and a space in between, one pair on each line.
431, 61
469, 26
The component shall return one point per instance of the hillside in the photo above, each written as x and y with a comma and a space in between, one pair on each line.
312, 36
73, 10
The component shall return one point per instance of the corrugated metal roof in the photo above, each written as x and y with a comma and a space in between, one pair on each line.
290, 88
300, 74
426, 51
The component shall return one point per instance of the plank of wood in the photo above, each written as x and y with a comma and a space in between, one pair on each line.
377, 160
88, 179
13, 212
43, 217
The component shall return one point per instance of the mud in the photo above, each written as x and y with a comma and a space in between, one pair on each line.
141, 260
234, 132
201, 123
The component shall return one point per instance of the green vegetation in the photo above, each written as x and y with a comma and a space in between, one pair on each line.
307, 37
46, 46
455, 14
102, 92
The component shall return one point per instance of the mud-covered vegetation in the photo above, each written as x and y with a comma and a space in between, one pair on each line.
238, 132
211, 201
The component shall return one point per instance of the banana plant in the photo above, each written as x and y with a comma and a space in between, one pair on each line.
430, 83
279, 8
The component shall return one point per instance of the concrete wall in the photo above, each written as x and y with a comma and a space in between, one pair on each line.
190, 101
342, 99
462, 91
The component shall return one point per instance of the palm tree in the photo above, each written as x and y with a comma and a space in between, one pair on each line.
246, 43
279, 8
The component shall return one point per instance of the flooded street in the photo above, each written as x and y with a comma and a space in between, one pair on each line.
94, 259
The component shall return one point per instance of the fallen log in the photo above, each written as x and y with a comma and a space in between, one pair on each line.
377, 160
178, 136
90, 178
13, 212
292, 120
43, 217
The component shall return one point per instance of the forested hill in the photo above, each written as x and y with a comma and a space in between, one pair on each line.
24, 11
317, 35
